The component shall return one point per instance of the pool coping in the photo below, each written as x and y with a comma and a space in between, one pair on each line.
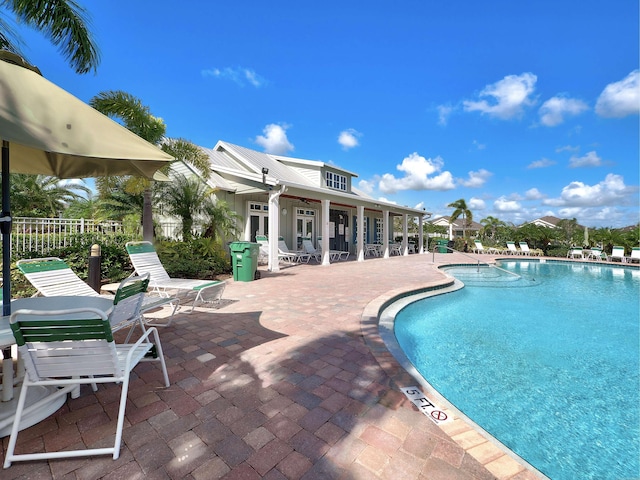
476, 441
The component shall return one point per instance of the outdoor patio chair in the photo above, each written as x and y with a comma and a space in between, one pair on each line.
372, 249
52, 277
524, 248
294, 257
512, 249
635, 255
308, 248
263, 252
575, 252
595, 254
127, 305
69, 348
145, 259
333, 254
617, 253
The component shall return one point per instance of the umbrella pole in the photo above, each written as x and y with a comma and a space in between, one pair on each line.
5, 227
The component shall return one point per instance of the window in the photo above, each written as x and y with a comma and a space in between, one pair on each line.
258, 207
336, 181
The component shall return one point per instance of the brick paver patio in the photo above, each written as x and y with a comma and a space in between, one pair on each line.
287, 379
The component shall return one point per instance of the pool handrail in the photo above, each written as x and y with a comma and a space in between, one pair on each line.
472, 258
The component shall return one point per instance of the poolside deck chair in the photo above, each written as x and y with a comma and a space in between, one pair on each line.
308, 248
575, 252
263, 252
52, 277
333, 254
512, 249
145, 259
68, 348
635, 255
524, 248
263, 255
295, 257
617, 254
127, 305
595, 254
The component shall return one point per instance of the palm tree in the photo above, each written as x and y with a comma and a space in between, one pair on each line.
42, 195
491, 225
461, 209
185, 197
222, 221
138, 118
64, 22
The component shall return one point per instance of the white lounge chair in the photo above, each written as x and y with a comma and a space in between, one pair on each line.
52, 277
263, 252
333, 254
594, 254
635, 255
295, 257
575, 252
145, 259
617, 253
82, 351
309, 249
512, 249
524, 248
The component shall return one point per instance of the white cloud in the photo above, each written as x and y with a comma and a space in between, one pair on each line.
503, 205
509, 97
611, 191
349, 138
620, 99
591, 159
386, 200
533, 194
542, 163
417, 170
476, 179
553, 111
239, 75
444, 112
275, 139
478, 145
567, 148
366, 186
476, 204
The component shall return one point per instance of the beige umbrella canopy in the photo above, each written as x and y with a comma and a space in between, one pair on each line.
46, 130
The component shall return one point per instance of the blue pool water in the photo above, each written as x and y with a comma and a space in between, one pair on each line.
547, 363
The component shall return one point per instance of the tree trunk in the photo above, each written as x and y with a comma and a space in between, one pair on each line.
147, 217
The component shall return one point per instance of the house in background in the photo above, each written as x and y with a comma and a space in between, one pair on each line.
295, 198
455, 228
547, 221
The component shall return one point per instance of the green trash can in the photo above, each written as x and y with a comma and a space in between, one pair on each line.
442, 246
244, 259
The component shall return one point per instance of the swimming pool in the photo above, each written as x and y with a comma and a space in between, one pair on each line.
546, 363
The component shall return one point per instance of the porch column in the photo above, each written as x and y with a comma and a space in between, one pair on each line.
385, 233
325, 232
360, 238
405, 234
274, 228
420, 235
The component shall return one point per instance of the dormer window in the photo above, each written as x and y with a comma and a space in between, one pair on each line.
336, 181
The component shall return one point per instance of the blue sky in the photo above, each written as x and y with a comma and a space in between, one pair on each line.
523, 109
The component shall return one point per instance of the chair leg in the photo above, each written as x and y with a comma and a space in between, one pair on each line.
160, 353
121, 409
13, 438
